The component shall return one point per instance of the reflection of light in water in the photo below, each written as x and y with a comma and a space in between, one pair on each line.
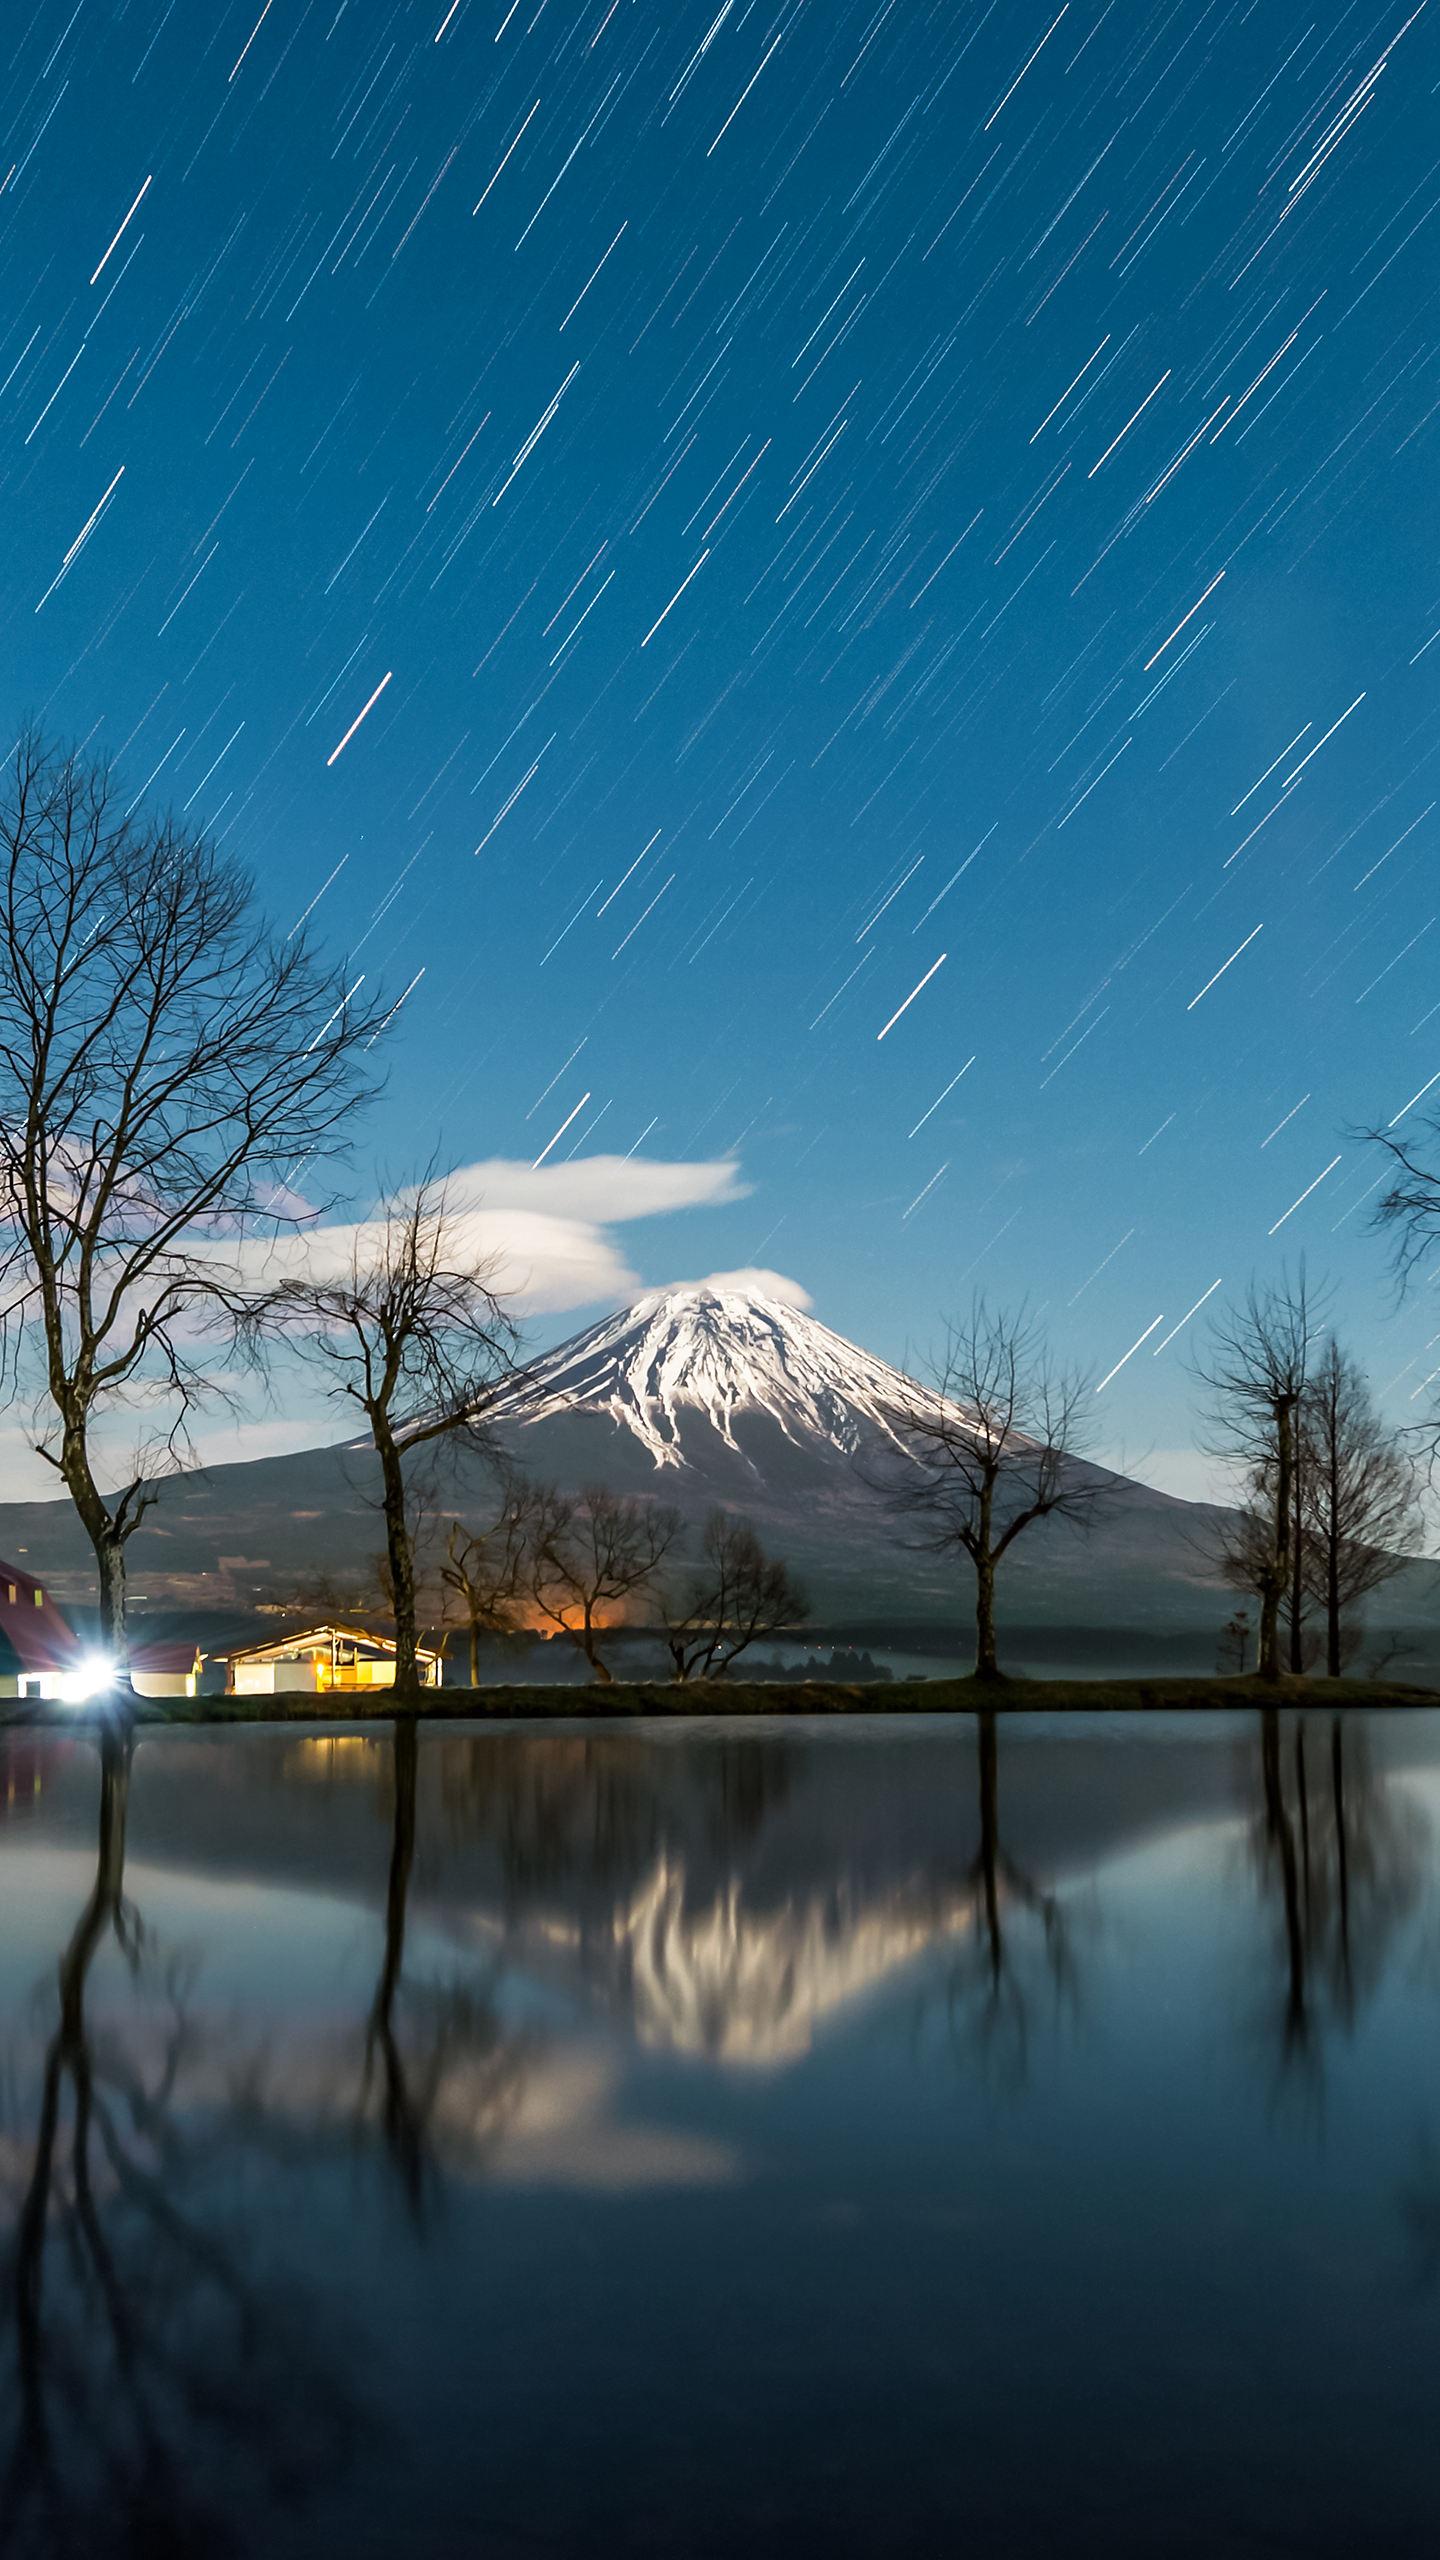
324, 1755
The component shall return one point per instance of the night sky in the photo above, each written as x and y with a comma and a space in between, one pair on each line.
688, 523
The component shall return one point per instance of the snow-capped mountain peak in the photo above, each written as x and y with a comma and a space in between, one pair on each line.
715, 1355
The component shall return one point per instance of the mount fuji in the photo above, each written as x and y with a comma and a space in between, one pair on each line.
701, 1396
707, 1395
681, 1365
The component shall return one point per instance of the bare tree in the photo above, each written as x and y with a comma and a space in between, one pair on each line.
1247, 1545
1247, 1540
591, 1554
1408, 1211
168, 1066
484, 1568
739, 1595
1234, 1647
1360, 1495
991, 1447
1255, 1372
409, 1331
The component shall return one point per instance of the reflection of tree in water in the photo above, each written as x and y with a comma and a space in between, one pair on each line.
558, 1805
1339, 1858
650, 1864
750, 1778
1019, 1941
574, 1810
435, 2053
155, 2371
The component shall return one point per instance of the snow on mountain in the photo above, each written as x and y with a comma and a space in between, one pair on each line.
718, 1356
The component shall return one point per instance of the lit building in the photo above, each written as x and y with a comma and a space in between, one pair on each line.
323, 1659
168, 1667
40, 1654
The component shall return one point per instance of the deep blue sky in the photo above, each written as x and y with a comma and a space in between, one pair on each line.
877, 294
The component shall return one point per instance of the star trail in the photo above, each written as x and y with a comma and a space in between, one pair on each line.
660, 520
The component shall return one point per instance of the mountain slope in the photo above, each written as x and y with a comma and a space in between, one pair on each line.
701, 1397
679, 1359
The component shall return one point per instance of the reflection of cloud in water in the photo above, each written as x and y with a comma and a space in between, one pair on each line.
564, 2134
520, 2108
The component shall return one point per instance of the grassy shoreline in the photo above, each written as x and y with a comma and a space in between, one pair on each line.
514, 1703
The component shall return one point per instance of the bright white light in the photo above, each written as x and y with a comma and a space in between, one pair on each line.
93, 1673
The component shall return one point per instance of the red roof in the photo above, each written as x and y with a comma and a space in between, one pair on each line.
34, 1634
165, 1653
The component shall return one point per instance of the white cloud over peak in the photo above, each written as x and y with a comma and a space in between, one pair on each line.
546, 1227
604, 1190
548, 1232
751, 1281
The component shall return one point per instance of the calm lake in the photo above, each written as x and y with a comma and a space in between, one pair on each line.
821, 2138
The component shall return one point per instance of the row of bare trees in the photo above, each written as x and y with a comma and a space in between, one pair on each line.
577, 1565
1332, 1497
1330, 1506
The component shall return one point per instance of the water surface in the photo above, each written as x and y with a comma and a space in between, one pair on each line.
819, 2138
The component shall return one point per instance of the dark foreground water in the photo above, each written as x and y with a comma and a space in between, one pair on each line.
891, 2136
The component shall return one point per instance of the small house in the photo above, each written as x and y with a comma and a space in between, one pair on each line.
165, 1667
40, 1654
326, 1660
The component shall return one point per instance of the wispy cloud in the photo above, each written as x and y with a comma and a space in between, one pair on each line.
547, 1232
546, 1229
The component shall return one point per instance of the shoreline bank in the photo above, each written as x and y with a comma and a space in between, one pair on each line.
704, 1700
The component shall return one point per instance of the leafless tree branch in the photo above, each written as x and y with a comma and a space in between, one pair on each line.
991, 1443
412, 1334
167, 1062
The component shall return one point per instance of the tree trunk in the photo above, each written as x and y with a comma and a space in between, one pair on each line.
401, 2118
1332, 1604
1277, 1573
1277, 1825
1302, 1797
110, 1568
401, 1557
406, 1765
987, 1666
474, 1655
588, 1648
1342, 1844
68, 2055
1270, 1771
1297, 1590
109, 1551
104, 1907
990, 1841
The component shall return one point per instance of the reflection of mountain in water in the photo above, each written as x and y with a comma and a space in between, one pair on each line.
740, 1985
732, 1894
